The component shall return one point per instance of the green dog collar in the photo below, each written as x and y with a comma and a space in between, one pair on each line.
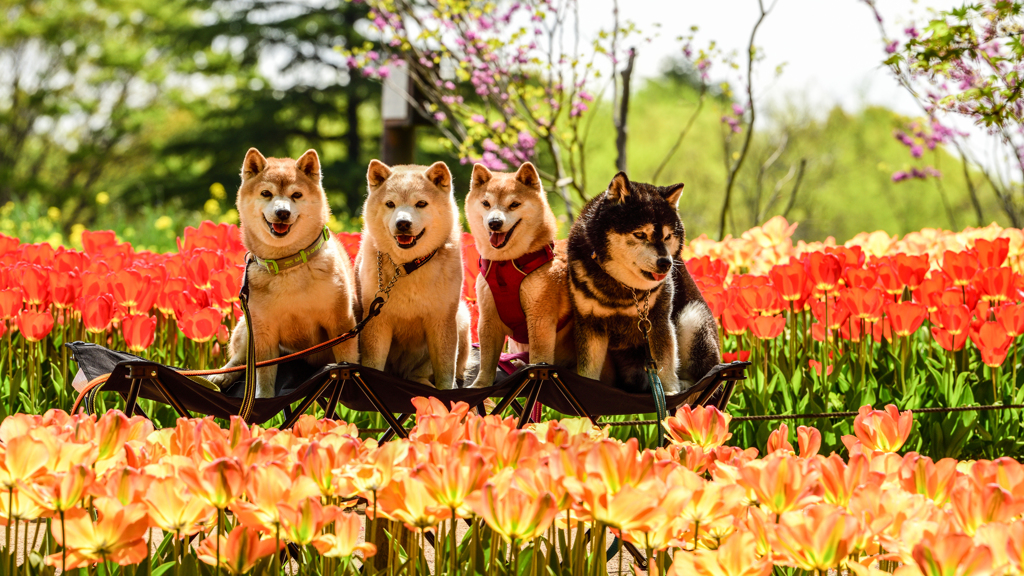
303, 256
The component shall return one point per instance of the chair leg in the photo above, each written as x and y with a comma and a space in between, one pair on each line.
379, 406
531, 401
392, 432
571, 399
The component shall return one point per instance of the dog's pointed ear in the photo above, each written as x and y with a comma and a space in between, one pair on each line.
309, 163
481, 175
253, 164
439, 175
527, 175
672, 194
618, 190
377, 173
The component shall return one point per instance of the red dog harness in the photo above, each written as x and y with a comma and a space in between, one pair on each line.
505, 277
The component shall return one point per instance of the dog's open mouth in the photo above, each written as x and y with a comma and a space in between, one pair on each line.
653, 276
278, 229
500, 239
406, 241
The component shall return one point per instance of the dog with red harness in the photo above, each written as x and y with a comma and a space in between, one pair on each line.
522, 290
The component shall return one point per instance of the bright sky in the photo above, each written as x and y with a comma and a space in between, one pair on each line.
832, 48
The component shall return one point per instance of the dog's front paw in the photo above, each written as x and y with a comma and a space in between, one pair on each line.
445, 384
223, 381
264, 389
671, 386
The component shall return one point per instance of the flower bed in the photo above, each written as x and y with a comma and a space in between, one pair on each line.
105, 486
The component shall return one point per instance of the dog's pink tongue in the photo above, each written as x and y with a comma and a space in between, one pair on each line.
497, 238
404, 239
658, 277
281, 228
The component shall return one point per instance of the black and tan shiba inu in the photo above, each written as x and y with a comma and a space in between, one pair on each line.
624, 251
300, 280
522, 289
411, 222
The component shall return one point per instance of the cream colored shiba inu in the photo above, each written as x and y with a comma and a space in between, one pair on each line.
411, 228
522, 289
624, 255
300, 279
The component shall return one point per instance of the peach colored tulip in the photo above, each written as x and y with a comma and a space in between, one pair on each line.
706, 427
21, 458
452, 474
239, 552
302, 522
60, 492
951, 555
974, 505
782, 483
779, 440
268, 490
409, 501
172, 509
219, 483
514, 514
343, 541
934, 480
115, 536
436, 423
882, 430
839, 479
808, 440
737, 556
816, 538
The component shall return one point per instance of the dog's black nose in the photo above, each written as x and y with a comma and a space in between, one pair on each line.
663, 265
495, 225
283, 214
403, 225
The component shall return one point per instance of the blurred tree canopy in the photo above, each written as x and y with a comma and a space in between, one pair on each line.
152, 101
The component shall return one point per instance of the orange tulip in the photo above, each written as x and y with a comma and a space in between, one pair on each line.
815, 538
514, 514
301, 523
239, 552
63, 491
884, 431
839, 479
139, 331
808, 440
737, 556
436, 423
115, 536
269, 489
408, 500
461, 471
343, 541
705, 427
781, 482
779, 440
23, 457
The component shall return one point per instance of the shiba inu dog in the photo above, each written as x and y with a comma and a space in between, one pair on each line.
411, 227
522, 289
300, 279
623, 253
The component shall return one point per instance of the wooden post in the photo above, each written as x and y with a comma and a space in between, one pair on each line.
398, 143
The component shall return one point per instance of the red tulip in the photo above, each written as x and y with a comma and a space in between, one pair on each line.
992, 253
69, 261
350, 242
97, 313
10, 303
954, 319
889, 280
911, 269
128, 287
993, 342
758, 299
64, 288
960, 267
34, 325
1011, 318
816, 366
40, 254
201, 266
35, 285
863, 303
824, 271
742, 356
170, 291
767, 327
202, 325
95, 242
790, 280
948, 340
930, 291
139, 331
225, 284
735, 322
852, 257
8, 244
861, 277
837, 312
995, 284
905, 317
704, 267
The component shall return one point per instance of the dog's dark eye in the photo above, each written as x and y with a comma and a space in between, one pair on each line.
297, 195
421, 204
486, 204
514, 205
266, 194
389, 204
640, 235
668, 237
